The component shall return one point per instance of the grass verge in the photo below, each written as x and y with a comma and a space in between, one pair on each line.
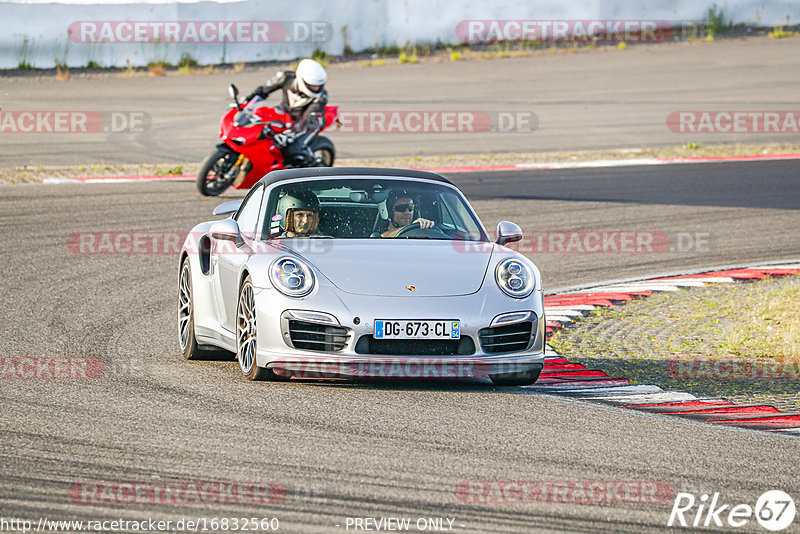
737, 341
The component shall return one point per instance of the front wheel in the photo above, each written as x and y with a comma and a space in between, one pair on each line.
247, 336
324, 152
217, 173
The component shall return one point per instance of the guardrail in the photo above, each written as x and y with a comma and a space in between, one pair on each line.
78, 34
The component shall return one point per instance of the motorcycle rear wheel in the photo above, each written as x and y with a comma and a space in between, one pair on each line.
217, 173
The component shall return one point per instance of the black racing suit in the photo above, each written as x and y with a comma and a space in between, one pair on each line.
308, 115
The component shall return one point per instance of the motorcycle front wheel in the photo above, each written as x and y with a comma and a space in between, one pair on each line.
324, 153
217, 173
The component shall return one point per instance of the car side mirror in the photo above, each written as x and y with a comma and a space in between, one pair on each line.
226, 208
508, 232
227, 229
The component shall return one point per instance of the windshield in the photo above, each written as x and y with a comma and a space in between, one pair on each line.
358, 208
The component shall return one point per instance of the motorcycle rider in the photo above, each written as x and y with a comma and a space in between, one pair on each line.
304, 98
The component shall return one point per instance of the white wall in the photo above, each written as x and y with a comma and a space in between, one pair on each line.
44, 25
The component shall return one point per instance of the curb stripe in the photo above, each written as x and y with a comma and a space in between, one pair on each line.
470, 168
591, 391
710, 409
574, 384
664, 396
122, 179
561, 377
654, 161
688, 404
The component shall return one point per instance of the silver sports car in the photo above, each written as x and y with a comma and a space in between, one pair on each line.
360, 273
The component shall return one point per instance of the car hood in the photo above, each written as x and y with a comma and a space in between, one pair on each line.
393, 267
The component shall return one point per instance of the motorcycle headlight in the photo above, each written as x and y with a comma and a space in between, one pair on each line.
292, 277
514, 278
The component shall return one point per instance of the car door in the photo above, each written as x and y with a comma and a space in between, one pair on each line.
231, 256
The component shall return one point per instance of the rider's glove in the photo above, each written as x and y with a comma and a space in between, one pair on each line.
282, 140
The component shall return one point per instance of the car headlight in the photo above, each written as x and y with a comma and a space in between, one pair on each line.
291, 277
514, 278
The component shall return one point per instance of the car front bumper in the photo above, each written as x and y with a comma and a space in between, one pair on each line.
356, 314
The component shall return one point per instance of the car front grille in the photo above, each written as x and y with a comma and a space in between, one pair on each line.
415, 347
510, 338
313, 336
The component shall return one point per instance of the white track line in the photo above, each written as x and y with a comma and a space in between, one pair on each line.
592, 164
596, 391
769, 267
561, 312
654, 398
559, 319
647, 161
640, 287
787, 430
703, 281
658, 285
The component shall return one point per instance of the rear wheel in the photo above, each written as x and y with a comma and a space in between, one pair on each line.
324, 153
188, 343
217, 173
517, 379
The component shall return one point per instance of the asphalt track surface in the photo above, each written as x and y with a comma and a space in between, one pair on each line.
360, 449
380, 449
589, 100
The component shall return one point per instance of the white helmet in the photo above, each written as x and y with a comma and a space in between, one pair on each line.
311, 76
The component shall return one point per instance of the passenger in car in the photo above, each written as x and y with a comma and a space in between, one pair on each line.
300, 212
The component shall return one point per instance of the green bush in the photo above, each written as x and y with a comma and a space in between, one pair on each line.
187, 62
715, 20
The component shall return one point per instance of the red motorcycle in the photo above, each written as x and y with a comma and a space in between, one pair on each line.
248, 150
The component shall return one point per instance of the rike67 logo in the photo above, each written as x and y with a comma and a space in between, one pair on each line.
774, 510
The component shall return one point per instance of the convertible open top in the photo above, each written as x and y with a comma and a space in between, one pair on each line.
320, 172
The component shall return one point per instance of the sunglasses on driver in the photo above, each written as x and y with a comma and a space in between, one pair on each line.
403, 207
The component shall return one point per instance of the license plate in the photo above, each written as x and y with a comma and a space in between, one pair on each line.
402, 329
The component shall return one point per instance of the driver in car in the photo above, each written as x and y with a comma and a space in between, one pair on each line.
300, 212
402, 209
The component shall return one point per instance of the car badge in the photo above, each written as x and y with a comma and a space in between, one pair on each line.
411, 288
